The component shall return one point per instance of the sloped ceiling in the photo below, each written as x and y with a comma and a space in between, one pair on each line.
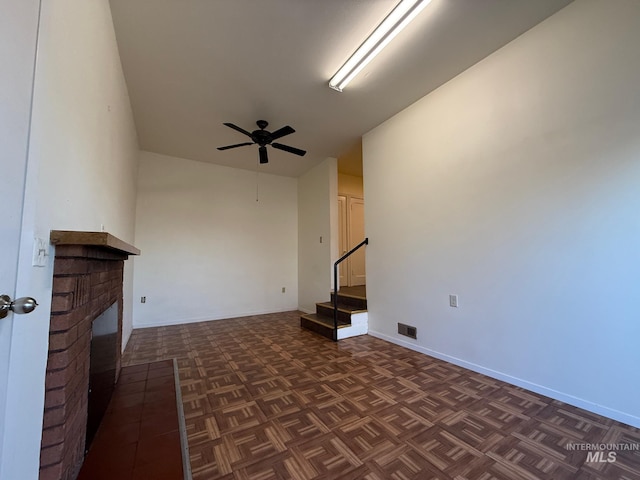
191, 65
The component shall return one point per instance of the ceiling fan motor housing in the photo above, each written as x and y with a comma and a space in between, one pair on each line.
261, 137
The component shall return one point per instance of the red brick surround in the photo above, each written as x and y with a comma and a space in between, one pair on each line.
86, 281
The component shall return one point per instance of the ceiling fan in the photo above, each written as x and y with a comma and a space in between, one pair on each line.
263, 138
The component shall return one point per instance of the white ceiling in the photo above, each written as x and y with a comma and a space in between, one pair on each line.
191, 65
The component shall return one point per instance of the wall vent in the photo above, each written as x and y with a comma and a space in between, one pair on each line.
407, 330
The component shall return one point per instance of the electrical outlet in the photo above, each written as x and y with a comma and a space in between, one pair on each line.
284, 289
453, 300
143, 299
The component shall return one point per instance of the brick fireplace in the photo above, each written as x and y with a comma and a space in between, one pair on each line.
87, 280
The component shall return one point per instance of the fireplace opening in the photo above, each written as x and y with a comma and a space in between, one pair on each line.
103, 356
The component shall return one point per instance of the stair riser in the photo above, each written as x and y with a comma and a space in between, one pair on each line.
356, 302
328, 312
317, 328
358, 319
352, 331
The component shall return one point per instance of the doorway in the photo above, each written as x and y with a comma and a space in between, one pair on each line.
351, 233
351, 228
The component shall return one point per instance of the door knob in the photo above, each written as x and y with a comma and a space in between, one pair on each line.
19, 305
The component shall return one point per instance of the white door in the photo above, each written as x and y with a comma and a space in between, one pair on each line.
18, 33
342, 240
357, 274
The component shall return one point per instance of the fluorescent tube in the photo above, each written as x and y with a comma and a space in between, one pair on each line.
399, 18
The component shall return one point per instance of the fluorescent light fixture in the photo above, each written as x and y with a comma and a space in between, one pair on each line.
399, 18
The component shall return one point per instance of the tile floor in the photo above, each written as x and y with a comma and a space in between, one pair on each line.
264, 399
139, 437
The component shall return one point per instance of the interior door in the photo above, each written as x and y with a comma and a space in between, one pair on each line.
18, 34
342, 240
357, 274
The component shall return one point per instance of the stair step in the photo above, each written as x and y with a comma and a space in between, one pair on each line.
324, 320
320, 324
356, 301
343, 307
344, 311
352, 312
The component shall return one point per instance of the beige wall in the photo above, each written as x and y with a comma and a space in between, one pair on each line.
350, 185
350, 162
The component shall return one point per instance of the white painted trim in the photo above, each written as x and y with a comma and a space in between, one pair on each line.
361, 318
556, 395
352, 331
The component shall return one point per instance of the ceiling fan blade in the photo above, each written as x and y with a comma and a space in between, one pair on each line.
281, 132
289, 149
235, 146
235, 127
263, 155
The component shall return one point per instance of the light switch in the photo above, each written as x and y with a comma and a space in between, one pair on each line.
453, 300
40, 252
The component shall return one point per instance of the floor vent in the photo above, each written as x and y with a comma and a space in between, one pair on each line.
407, 330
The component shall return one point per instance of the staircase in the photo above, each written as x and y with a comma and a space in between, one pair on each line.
352, 315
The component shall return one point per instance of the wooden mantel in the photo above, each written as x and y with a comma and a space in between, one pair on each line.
98, 239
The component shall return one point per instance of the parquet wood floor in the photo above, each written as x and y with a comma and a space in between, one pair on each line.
265, 399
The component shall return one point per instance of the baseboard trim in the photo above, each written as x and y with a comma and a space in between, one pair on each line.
556, 395
183, 321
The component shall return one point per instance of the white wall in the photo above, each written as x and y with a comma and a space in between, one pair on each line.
80, 174
317, 217
210, 250
83, 129
515, 186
